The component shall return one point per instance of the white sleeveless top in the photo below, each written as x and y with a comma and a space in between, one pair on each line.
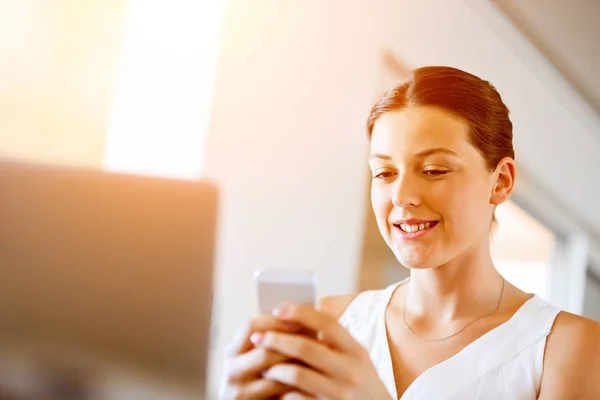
504, 363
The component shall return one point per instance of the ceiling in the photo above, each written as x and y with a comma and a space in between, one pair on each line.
567, 33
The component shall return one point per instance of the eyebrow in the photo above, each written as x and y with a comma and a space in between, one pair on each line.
429, 152
381, 156
420, 154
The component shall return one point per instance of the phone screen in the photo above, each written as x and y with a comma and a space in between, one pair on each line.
276, 287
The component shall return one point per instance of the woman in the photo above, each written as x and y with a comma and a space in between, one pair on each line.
441, 159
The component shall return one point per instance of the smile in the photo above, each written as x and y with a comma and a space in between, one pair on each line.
414, 230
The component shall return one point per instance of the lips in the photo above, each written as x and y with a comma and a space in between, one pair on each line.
413, 228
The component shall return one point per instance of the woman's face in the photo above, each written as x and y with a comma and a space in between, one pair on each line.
431, 191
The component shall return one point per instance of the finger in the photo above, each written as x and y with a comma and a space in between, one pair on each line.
309, 351
305, 379
330, 331
252, 363
241, 342
259, 389
296, 396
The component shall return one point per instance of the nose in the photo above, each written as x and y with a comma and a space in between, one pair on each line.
405, 192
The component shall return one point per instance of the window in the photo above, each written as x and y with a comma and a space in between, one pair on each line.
522, 250
164, 87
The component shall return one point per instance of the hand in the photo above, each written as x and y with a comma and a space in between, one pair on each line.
336, 365
244, 362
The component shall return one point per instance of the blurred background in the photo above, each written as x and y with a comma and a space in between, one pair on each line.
269, 99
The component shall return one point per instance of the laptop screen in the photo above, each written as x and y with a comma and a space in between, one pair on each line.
105, 283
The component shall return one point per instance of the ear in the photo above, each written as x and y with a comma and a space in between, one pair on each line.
504, 184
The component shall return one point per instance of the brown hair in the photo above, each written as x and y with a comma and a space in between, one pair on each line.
465, 95
474, 100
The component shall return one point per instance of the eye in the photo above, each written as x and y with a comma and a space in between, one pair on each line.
435, 172
384, 175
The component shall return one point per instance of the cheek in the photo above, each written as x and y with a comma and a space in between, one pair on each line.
445, 198
463, 204
381, 203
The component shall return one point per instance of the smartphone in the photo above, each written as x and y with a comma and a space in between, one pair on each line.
276, 287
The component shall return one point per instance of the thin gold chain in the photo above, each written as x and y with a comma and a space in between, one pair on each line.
455, 333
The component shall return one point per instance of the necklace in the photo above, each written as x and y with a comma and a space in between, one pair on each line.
455, 333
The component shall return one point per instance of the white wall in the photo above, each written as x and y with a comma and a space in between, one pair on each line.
288, 147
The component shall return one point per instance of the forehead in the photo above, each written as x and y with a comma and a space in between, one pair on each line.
414, 129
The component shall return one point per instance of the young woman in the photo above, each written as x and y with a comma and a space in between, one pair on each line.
441, 159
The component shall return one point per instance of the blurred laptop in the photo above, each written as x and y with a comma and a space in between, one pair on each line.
105, 284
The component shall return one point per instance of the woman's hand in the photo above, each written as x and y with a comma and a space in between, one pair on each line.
244, 362
337, 366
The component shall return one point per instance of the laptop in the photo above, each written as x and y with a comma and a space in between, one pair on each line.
105, 284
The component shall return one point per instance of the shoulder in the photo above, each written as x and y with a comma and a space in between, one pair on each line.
336, 305
571, 359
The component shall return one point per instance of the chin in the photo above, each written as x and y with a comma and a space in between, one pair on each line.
414, 259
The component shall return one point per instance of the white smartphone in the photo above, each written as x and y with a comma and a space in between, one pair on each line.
276, 287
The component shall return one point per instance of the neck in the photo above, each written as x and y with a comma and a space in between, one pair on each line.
465, 287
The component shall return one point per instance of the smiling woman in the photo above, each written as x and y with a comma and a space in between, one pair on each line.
486, 115
439, 150
441, 159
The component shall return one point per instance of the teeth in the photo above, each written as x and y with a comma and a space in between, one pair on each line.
415, 228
